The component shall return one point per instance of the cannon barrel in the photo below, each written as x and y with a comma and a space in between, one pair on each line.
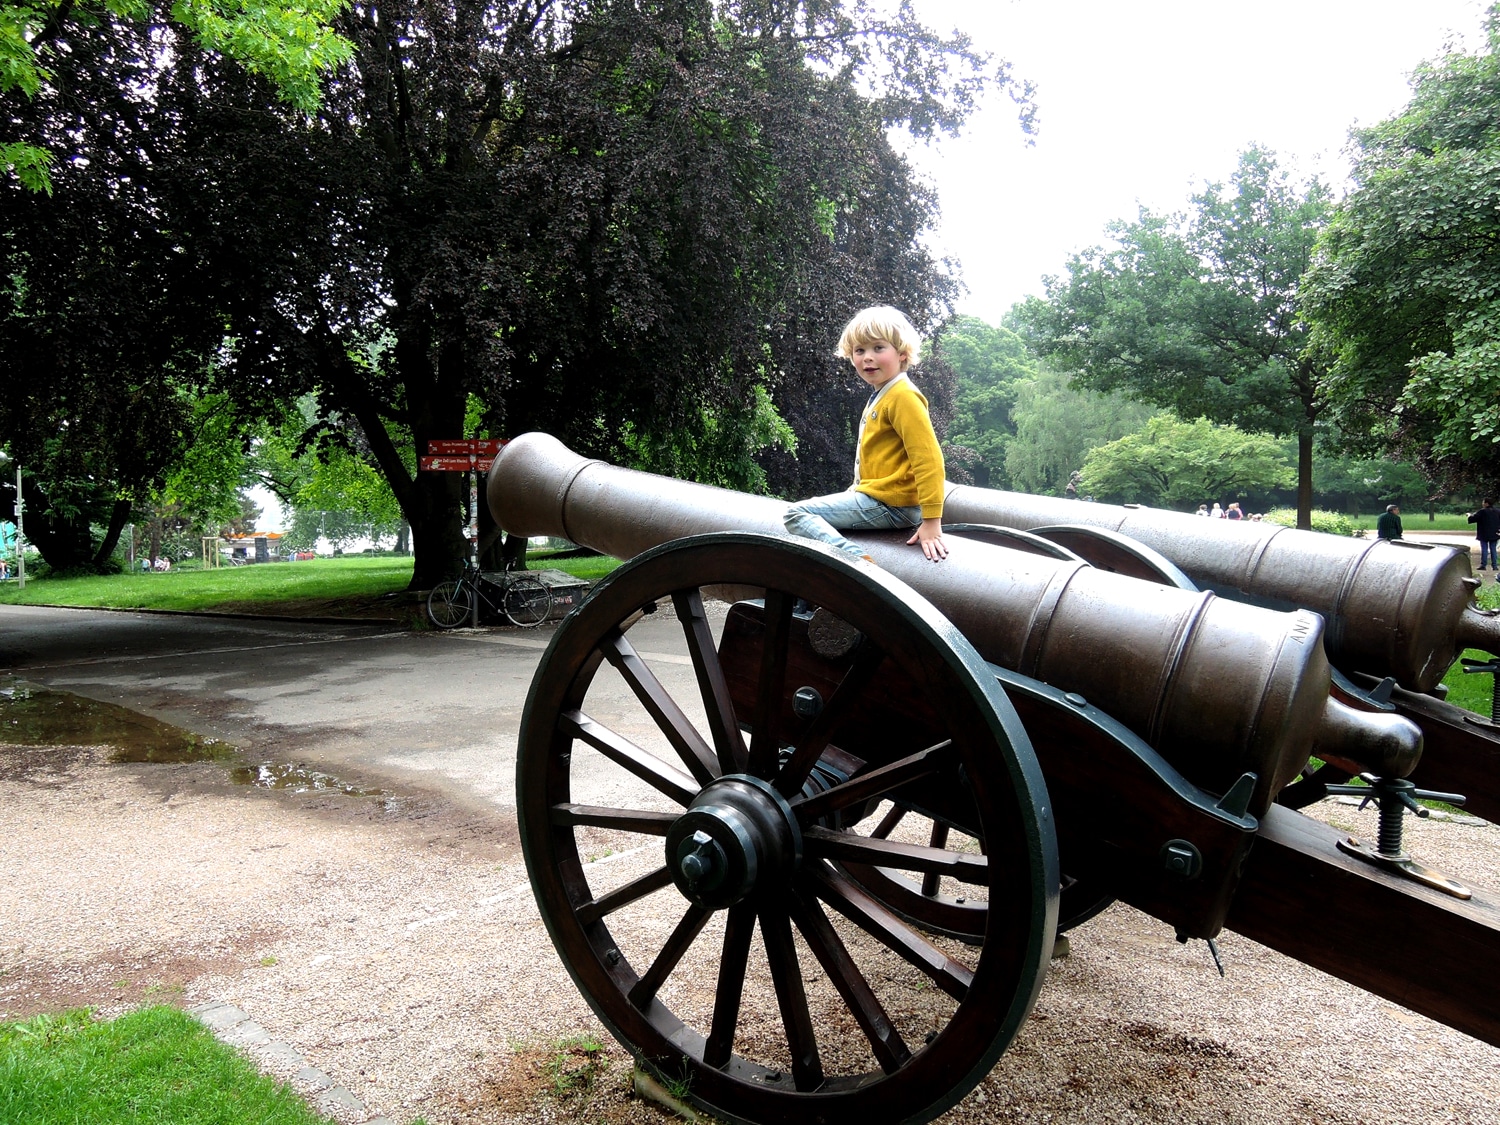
1217, 687
1392, 608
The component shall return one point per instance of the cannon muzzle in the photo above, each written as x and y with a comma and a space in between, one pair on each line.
1217, 687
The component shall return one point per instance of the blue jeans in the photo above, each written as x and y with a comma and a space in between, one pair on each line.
1487, 549
823, 517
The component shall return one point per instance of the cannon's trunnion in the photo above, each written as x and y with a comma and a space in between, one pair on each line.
877, 794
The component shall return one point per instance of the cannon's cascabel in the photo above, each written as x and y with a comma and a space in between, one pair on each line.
1218, 687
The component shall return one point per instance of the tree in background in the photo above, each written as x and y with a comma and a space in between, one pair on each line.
988, 365
634, 225
1405, 292
1177, 464
288, 43
1200, 314
1057, 423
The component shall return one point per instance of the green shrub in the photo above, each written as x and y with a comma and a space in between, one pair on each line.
1334, 523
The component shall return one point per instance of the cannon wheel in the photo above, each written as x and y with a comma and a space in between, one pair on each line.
878, 1020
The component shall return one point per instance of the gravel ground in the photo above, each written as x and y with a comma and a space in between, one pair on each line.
392, 940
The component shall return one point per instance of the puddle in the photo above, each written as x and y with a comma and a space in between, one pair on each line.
297, 779
38, 716
31, 715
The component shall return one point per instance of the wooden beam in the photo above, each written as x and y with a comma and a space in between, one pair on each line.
1417, 947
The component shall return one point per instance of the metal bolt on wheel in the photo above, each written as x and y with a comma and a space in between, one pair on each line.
450, 604
723, 944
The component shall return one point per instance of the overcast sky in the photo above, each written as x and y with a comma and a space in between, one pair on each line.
1142, 101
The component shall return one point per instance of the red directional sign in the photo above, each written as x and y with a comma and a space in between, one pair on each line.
455, 464
484, 447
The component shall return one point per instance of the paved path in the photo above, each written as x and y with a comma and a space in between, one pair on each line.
440, 708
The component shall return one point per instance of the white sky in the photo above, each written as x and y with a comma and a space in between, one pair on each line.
1142, 101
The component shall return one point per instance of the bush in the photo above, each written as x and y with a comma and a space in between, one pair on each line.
1334, 523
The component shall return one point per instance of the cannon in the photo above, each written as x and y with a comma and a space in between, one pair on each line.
1398, 614
922, 772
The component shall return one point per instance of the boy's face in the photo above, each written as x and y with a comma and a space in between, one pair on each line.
877, 361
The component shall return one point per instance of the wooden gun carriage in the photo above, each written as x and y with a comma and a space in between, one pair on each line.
923, 772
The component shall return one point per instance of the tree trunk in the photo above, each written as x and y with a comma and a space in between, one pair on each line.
64, 544
1304, 478
119, 515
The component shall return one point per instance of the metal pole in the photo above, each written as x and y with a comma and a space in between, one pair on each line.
20, 534
474, 535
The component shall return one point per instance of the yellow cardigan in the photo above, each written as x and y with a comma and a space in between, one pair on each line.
900, 462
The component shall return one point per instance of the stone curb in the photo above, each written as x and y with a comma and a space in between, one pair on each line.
234, 1026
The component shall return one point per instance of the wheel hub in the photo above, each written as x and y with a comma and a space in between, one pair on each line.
737, 835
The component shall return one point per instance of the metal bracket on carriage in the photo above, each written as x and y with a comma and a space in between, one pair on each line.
1395, 797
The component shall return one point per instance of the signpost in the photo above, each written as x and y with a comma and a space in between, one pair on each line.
464, 455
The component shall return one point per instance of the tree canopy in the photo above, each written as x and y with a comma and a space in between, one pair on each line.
1177, 464
289, 43
1199, 313
637, 226
1405, 291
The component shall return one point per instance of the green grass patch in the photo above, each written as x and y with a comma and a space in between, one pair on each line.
147, 1067
313, 586
233, 587
1417, 522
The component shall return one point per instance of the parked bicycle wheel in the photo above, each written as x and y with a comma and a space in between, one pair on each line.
450, 604
527, 602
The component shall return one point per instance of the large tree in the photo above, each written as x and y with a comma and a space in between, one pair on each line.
633, 224
1200, 313
1176, 464
290, 43
1405, 292
626, 224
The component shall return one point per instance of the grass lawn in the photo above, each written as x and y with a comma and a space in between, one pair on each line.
241, 588
149, 1066
312, 587
1417, 522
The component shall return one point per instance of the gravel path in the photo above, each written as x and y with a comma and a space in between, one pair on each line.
392, 943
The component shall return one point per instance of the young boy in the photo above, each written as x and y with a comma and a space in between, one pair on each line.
898, 469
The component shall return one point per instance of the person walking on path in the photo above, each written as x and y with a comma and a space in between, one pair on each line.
1388, 526
1486, 523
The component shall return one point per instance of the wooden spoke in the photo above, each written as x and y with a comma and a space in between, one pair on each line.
629, 820
678, 728
786, 975
888, 822
890, 1049
875, 782
938, 839
682, 938
729, 744
764, 743
648, 767
848, 847
739, 928
885, 927
635, 889
867, 660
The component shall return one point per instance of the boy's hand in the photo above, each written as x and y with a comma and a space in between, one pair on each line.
929, 533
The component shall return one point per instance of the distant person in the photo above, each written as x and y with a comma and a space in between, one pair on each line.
898, 466
1486, 523
1234, 512
1071, 491
1388, 526
1217, 513
1202, 511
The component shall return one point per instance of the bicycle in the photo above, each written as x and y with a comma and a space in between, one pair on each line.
521, 598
